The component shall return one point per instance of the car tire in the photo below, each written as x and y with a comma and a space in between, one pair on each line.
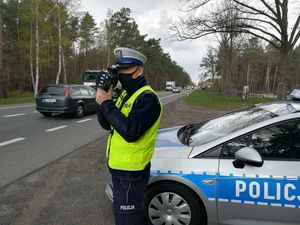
79, 111
158, 210
46, 114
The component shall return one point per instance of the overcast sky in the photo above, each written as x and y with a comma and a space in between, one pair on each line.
153, 18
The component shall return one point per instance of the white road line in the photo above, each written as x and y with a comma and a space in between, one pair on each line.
11, 141
14, 115
173, 95
56, 128
14, 107
167, 96
82, 121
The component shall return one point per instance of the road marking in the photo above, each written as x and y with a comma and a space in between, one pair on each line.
168, 96
14, 107
35, 112
11, 141
14, 115
56, 128
183, 92
82, 121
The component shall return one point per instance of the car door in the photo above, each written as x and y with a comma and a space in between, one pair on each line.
266, 194
76, 96
85, 95
93, 94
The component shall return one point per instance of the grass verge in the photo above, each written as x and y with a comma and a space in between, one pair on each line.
216, 101
18, 98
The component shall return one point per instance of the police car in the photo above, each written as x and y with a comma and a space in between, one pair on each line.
240, 168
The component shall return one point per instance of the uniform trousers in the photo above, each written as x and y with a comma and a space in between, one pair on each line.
128, 192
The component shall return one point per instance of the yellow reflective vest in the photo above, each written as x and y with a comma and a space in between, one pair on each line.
136, 155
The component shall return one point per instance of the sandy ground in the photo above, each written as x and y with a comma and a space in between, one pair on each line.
71, 190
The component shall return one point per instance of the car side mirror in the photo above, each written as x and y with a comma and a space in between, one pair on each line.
249, 156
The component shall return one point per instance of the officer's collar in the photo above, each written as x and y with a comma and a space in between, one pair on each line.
136, 84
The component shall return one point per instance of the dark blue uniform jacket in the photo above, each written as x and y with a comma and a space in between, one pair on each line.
144, 113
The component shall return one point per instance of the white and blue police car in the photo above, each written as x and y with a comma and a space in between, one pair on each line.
240, 168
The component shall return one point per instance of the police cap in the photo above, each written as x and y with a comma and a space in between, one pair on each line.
126, 57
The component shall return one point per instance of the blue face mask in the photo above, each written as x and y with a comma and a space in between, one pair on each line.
126, 78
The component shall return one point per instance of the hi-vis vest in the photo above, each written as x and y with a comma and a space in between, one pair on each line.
136, 155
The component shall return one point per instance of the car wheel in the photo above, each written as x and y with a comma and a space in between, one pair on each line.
79, 111
46, 114
172, 203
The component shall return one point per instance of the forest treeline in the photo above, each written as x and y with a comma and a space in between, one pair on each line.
53, 41
258, 42
252, 63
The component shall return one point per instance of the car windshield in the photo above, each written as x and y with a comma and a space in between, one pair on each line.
198, 134
53, 90
89, 77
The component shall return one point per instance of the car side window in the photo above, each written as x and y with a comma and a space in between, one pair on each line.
233, 146
212, 153
75, 91
84, 91
281, 141
92, 91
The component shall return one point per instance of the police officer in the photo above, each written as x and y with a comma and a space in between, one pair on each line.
133, 122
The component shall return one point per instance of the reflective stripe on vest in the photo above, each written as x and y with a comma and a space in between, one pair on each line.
136, 155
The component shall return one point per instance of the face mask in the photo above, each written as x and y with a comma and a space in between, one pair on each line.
126, 78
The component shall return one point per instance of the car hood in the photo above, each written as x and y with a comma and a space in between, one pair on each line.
169, 146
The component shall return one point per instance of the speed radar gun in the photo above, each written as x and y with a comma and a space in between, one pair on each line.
125, 57
106, 79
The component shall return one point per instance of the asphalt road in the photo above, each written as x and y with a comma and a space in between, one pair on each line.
29, 141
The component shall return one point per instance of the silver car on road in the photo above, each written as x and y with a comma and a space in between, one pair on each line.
240, 168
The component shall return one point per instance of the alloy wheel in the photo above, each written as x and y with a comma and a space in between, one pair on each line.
168, 208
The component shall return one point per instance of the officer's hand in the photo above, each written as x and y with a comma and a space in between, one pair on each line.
103, 95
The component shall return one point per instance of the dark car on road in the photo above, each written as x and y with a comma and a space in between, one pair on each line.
69, 98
